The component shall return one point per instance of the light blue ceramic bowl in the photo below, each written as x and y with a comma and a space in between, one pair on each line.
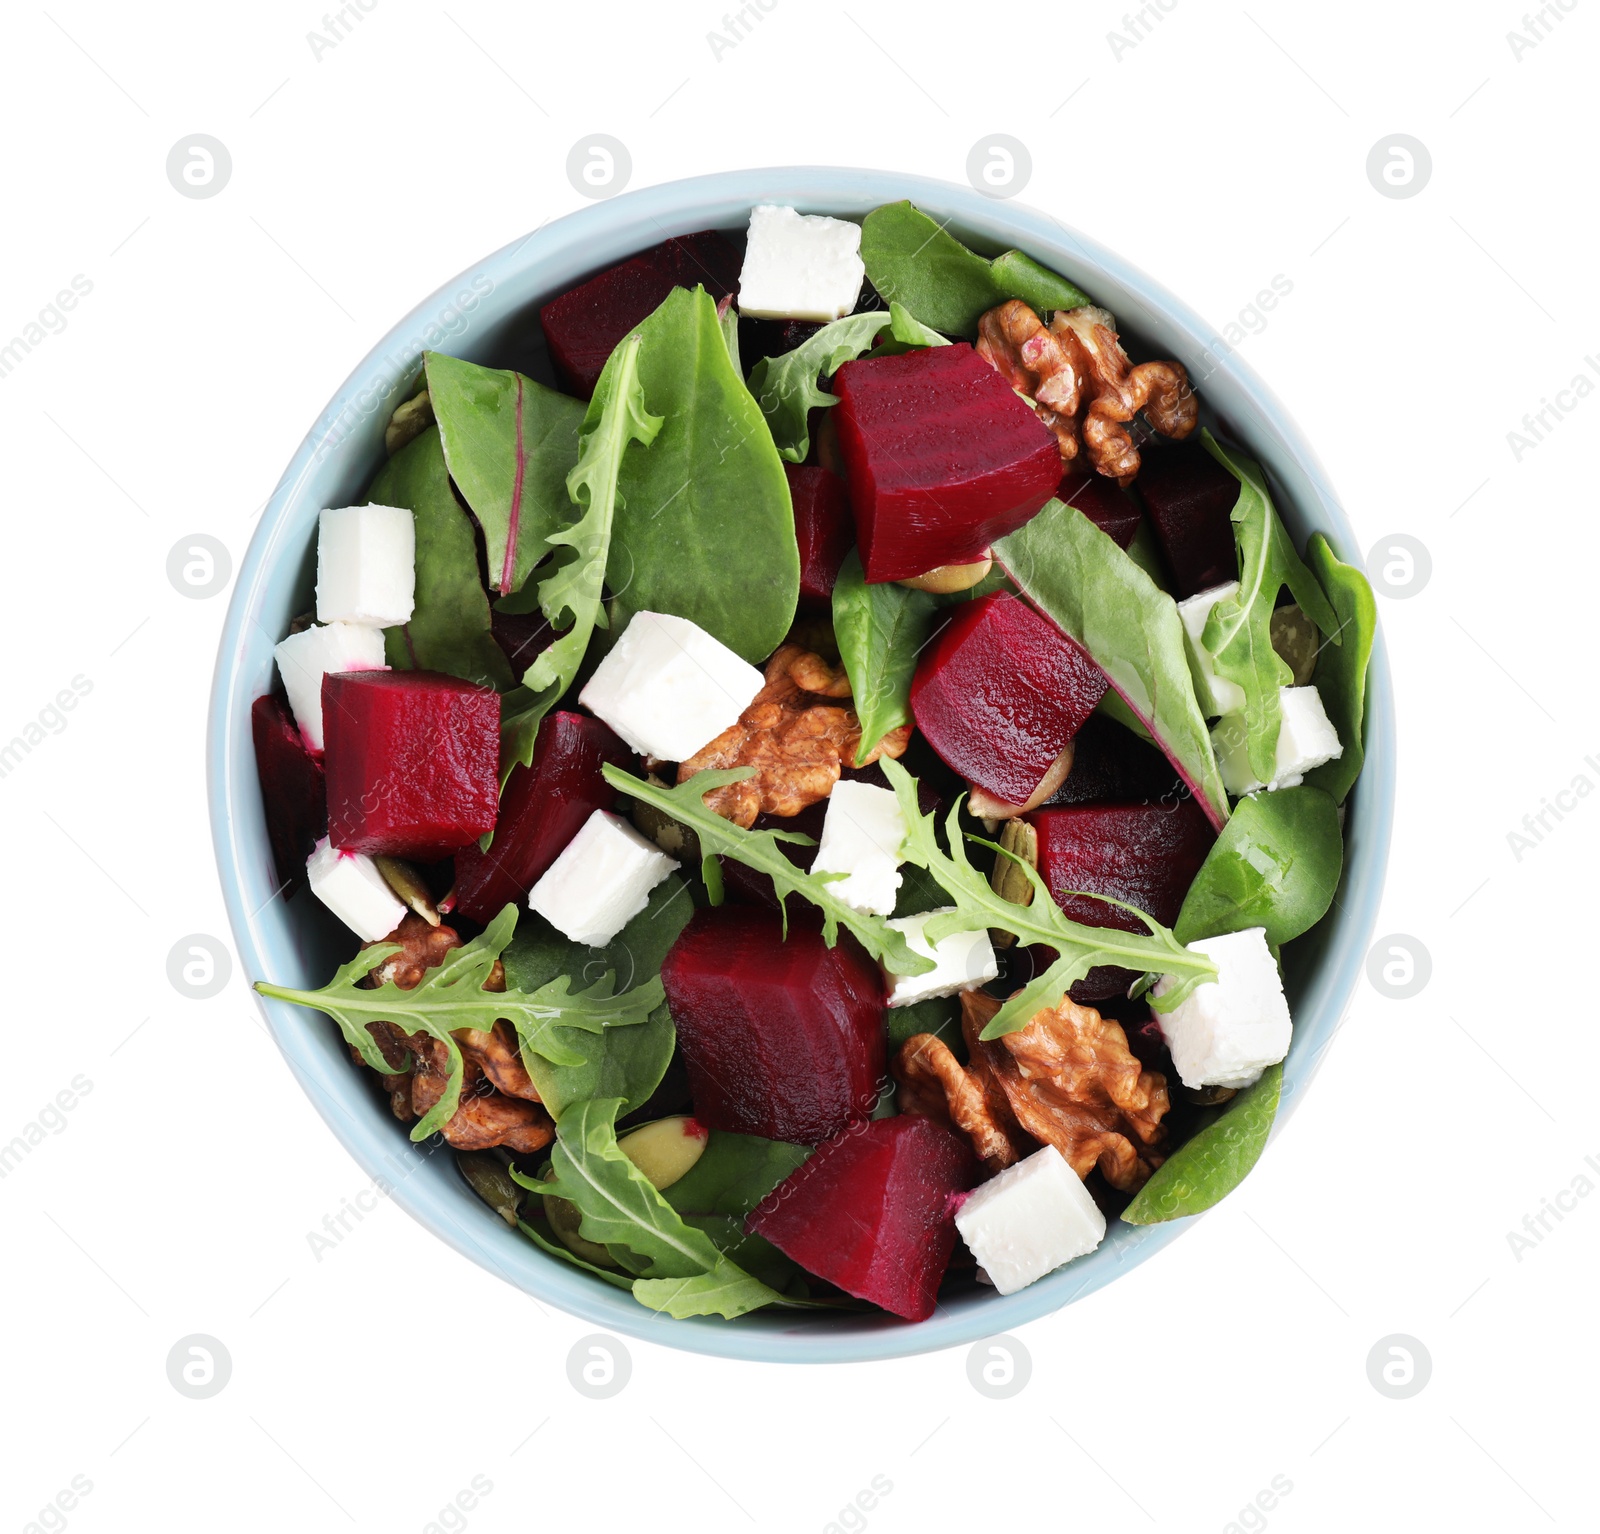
490, 315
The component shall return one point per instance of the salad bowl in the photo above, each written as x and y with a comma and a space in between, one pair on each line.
489, 315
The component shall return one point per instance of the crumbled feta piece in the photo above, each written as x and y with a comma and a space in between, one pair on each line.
1306, 739
862, 835
366, 565
799, 266
1217, 694
668, 688
601, 880
962, 961
349, 884
305, 658
1232, 1028
1029, 1220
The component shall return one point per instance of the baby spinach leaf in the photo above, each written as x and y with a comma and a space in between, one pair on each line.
510, 443
1238, 631
912, 260
1098, 597
705, 529
1208, 1167
881, 629
939, 1015
1341, 675
449, 627
1276, 865
734, 1173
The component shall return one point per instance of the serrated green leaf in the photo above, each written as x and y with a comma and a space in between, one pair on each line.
881, 629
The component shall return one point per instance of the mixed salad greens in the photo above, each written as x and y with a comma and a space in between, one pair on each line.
822, 785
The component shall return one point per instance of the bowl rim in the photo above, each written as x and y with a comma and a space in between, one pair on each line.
343, 1098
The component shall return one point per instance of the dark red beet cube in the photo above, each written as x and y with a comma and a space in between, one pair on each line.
521, 637
873, 1211
941, 456
771, 338
293, 790
1111, 765
583, 326
1190, 498
823, 529
543, 807
412, 759
782, 1037
1000, 692
1105, 503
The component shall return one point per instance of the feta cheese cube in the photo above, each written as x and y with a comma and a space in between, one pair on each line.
1306, 739
1029, 1220
366, 565
668, 688
962, 961
798, 266
1231, 1028
349, 884
862, 835
601, 880
1217, 694
305, 658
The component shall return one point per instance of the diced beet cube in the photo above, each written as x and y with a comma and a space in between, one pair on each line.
873, 1211
1000, 692
942, 458
1104, 503
293, 790
1111, 765
584, 325
823, 529
412, 759
782, 1037
543, 807
1190, 498
521, 637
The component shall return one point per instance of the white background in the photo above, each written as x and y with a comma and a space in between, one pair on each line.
371, 1386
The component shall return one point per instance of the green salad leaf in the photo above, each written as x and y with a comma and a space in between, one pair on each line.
734, 1173
881, 629
939, 1015
1211, 1164
510, 443
1079, 948
1078, 577
566, 1254
1341, 675
913, 260
450, 995
761, 851
449, 627
1276, 865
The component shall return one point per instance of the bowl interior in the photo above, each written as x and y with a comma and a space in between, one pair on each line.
489, 315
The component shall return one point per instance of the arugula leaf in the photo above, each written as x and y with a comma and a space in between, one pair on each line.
557, 1249
760, 850
1341, 675
881, 629
449, 627
1098, 597
509, 443
912, 259
1078, 948
1238, 631
451, 996
1276, 865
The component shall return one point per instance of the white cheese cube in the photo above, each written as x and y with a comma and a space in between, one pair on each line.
1231, 1028
305, 658
601, 881
862, 835
1029, 1220
349, 884
962, 961
668, 688
799, 266
1217, 694
1306, 739
366, 565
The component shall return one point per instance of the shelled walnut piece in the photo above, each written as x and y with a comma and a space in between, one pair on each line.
499, 1106
1082, 385
1068, 1079
796, 733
